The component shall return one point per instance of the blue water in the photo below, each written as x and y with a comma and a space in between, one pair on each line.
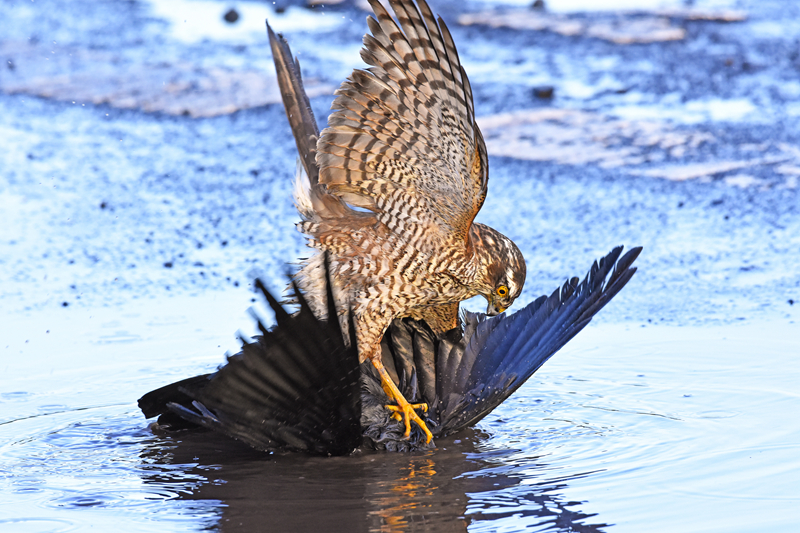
629, 428
130, 231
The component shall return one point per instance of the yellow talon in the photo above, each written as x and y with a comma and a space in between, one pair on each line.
403, 410
398, 409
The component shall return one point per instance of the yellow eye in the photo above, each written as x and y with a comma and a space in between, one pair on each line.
502, 291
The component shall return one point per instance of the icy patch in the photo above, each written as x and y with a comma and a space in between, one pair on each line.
742, 180
701, 170
789, 89
770, 29
573, 6
649, 28
645, 30
577, 89
572, 137
723, 110
584, 6
195, 20
788, 170
694, 112
82, 75
793, 109
577, 137
658, 112
533, 68
790, 183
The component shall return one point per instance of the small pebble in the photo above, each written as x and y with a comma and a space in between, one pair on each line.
544, 92
231, 16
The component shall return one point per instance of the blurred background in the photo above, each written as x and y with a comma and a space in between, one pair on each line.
145, 151
146, 170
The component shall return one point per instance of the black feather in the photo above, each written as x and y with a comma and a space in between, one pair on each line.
482, 363
297, 386
294, 388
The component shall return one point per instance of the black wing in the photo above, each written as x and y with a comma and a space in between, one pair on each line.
475, 371
295, 388
154, 403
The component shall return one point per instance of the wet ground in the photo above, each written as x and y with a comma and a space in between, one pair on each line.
145, 180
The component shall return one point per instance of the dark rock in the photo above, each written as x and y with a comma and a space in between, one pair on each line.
231, 16
544, 92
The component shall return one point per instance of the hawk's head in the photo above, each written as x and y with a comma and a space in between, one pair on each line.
501, 269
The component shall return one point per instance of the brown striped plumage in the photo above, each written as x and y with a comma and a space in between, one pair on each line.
399, 176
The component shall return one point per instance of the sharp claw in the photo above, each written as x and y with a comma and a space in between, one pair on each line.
407, 414
403, 410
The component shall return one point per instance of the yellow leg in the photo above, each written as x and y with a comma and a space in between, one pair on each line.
403, 409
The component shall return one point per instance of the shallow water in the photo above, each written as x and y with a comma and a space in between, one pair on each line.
130, 230
655, 428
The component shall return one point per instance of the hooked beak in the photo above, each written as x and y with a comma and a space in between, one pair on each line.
493, 309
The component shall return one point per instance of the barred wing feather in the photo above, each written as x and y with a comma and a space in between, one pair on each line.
402, 140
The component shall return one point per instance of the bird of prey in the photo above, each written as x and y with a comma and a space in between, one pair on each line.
392, 186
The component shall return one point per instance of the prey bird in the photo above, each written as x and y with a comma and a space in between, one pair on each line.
299, 387
390, 189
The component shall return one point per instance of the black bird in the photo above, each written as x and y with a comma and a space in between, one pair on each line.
299, 387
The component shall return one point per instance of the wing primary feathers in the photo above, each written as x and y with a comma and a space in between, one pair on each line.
511, 348
403, 131
296, 387
154, 402
281, 316
295, 101
455, 65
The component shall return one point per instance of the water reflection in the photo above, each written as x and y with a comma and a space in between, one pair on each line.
459, 486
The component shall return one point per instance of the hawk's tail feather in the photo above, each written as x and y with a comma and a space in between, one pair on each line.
312, 201
295, 101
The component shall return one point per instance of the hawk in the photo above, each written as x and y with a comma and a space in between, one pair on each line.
390, 189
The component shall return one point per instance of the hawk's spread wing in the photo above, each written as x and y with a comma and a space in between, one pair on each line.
402, 140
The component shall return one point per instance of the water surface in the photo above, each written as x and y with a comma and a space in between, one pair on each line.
130, 230
629, 428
